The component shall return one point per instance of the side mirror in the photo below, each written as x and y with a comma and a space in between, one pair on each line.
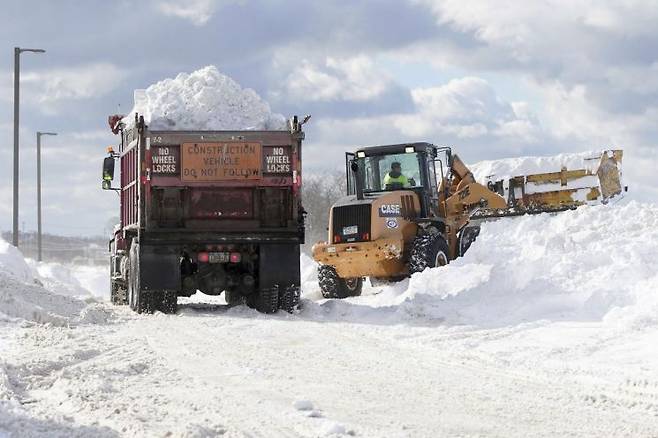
108, 172
358, 182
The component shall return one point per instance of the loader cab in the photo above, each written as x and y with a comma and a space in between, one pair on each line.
423, 165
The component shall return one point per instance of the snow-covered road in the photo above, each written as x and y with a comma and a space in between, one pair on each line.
210, 371
547, 327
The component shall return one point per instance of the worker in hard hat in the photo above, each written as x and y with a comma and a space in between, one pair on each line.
394, 179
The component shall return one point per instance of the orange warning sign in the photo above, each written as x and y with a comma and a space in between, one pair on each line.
220, 161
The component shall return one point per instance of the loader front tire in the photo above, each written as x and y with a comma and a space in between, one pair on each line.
466, 238
428, 251
332, 286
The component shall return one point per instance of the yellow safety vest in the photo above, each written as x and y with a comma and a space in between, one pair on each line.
388, 179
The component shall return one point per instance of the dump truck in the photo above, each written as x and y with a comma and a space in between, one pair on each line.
210, 211
414, 206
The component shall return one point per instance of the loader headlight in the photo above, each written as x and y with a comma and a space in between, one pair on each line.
409, 150
360, 154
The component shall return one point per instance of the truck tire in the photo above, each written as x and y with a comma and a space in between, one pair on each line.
167, 302
233, 297
332, 286
289, 299
466, 238
267, 300
140, 300
428, 251
118, 294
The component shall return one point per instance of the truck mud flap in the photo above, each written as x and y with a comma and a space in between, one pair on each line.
279, 265
160, 269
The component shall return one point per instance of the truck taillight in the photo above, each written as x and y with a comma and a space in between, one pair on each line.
203, 257
365, 236
337, 238
235, 257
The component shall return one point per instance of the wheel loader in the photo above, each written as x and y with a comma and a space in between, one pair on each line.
388, 228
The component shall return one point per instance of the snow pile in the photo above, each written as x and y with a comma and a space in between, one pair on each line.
309, 278
75, 280
203, 100
510, 167
591, 264
23, 297
13, 264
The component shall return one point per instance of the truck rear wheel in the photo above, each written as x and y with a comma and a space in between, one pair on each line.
267, 300
233, 297
289, 299
167, 301
428, 251
140, 301
118, 294
332, 286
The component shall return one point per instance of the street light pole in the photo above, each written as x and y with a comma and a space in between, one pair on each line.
39, 134
17, 75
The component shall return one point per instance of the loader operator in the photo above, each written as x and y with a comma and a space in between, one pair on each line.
395, 179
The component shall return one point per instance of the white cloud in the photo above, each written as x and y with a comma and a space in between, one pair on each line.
465, 113
349, 79
522, 25
73, 83
590, 64
467, 108
198, 12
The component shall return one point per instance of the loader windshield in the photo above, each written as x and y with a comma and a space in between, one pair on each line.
381, 173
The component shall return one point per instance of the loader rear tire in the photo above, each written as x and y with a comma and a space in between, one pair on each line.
332, 286
428, 251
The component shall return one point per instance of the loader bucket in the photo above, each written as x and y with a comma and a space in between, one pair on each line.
609, 174
592, 179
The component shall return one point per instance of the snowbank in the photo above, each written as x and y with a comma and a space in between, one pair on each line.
72, 280
591, 264
203, 100
13, 264
23, 296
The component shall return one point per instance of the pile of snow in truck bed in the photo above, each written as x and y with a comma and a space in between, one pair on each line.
204, 100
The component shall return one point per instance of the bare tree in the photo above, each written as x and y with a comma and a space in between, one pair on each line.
320, 191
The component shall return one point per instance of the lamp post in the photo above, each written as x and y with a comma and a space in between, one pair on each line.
17, 75
39, 134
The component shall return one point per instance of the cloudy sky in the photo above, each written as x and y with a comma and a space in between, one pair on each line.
492, 79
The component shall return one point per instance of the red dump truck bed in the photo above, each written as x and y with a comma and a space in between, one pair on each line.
189, 195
